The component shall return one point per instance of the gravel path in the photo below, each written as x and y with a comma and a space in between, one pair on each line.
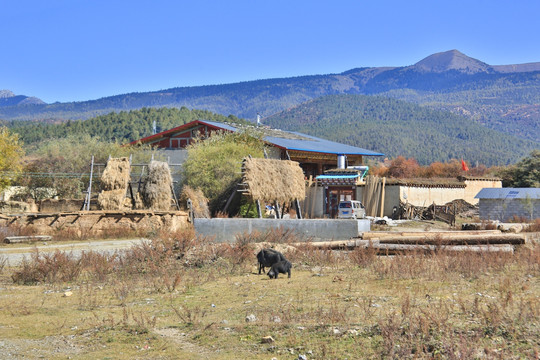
14, 255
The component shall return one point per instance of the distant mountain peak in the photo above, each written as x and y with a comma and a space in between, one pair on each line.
8, 98
6, 94
452, 60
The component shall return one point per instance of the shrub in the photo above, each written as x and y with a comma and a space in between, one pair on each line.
214, 164
42, 267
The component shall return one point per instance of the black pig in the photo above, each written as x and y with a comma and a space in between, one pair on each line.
281, 267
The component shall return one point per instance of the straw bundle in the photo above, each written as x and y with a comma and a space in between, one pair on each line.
156, 190
114, 184
198, 201
116, 174
271, 180
111, 199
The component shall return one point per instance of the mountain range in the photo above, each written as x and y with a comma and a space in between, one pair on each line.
505, 98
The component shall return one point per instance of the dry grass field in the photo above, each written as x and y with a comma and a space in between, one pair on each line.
180, 298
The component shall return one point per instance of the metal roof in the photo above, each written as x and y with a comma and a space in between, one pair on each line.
508, 193
292, 140
337, 176
224, 126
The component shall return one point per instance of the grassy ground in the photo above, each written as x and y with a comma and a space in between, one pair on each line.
149, 304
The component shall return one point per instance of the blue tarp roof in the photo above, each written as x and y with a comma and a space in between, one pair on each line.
508, 193
303, 142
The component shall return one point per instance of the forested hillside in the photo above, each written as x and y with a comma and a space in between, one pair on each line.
396, 128
121, 127
382, 124
504, 102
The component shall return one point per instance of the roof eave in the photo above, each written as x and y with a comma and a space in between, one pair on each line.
163, 134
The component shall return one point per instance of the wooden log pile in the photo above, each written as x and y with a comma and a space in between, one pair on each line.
391, 243
445, 213
26, 239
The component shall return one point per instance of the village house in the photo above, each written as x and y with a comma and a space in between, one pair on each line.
333, 171
508, 203
315, 155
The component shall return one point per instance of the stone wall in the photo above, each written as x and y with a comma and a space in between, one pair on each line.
98, 223
17, 207
63, 205
505, 209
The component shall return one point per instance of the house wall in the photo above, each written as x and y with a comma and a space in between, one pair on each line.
417, 196
505, 209
391, 199
425, 196
273, 152
473, 187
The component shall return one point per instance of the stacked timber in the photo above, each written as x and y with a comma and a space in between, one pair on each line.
390, 243
479, 241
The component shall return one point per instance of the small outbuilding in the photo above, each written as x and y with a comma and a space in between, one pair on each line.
504, 204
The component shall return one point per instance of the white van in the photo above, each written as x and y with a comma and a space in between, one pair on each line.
351, 209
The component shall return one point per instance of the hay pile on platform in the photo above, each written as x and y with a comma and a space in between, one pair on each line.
272, 180
114, 184
198, 200
156, 190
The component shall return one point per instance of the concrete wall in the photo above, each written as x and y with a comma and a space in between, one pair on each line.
225, 230
505, 209
474, 187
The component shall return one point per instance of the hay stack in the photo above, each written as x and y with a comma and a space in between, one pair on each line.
272, 180
198, 200
114, 184
116, 174
156, 190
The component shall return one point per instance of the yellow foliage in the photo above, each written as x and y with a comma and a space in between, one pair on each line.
11, 154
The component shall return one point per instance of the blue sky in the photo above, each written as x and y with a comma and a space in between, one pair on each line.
75, 50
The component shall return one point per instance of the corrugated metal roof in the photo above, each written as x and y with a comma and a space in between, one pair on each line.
303, 142
337, 176
508, 193
221, 125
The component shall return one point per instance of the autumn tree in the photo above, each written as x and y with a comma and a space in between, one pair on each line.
449, 169
401, 167
11, 153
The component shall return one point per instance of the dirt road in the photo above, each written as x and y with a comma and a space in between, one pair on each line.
14, 255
